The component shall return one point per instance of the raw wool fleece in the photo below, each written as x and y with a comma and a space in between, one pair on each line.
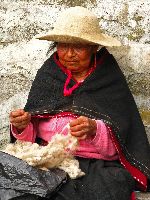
57, 154
103, 95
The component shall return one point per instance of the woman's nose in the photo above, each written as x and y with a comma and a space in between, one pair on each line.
70, 51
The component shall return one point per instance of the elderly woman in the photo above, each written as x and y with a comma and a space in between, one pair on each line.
84, 86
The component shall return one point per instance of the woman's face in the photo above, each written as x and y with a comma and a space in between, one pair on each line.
75, 57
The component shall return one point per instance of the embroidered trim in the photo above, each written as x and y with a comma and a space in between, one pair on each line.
137, 174
60, 115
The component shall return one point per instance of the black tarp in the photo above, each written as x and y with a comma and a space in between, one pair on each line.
18, 179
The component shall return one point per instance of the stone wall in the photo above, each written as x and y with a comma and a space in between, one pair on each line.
21, 55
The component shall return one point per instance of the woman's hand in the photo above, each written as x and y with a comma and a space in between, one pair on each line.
20, 119
83, 127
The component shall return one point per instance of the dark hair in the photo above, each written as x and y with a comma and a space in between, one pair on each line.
51, 47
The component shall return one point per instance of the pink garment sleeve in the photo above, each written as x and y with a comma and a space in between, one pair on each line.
102, 140
28, 134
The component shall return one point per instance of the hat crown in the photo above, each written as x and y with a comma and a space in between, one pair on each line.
77, 20
79, 25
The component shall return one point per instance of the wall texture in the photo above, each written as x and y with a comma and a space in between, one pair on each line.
21, 55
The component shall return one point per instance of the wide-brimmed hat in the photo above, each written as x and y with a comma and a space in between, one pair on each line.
78, 25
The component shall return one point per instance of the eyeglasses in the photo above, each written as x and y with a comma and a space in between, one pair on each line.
78, 48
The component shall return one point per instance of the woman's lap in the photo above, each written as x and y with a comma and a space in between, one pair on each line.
102, 182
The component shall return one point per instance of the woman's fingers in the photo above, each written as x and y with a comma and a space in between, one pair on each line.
77, 128
83, 127
17, 113
19, 118
21, 123
79, 135
78, 121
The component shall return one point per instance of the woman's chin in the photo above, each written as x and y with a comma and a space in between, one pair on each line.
72, 68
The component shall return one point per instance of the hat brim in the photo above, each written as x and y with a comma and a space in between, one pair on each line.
100, 39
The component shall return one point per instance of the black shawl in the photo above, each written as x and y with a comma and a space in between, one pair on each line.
103, 95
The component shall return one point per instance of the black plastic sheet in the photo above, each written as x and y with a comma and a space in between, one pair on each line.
18, 179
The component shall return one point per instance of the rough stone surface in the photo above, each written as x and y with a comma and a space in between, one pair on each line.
142, 196
21, 55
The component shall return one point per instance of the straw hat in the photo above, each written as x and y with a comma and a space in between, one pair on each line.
78, 25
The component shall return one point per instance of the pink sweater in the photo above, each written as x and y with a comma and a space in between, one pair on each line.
99, 147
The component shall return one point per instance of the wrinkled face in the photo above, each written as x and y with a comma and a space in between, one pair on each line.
75, 57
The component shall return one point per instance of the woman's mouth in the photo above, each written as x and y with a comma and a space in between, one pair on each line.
71, 61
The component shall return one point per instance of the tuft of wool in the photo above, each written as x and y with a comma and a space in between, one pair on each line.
57, 154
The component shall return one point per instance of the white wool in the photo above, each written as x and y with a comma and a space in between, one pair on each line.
57, 154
